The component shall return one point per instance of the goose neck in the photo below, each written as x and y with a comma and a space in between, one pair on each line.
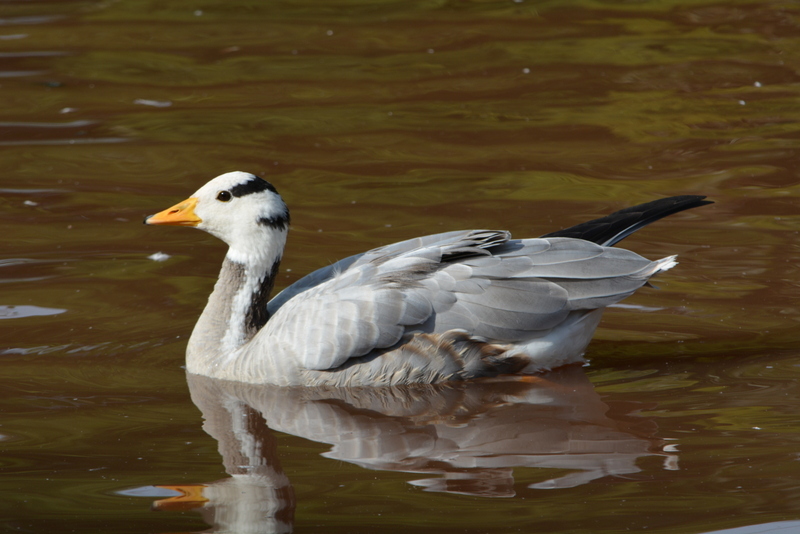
252, 285
236, 311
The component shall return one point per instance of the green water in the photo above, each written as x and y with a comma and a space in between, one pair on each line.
381, 121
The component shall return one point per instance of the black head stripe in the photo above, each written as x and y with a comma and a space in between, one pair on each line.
253, 185
280, 222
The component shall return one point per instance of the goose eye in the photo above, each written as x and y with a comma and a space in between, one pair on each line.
224, 196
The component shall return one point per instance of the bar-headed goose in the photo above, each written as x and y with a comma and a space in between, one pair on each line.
450, 306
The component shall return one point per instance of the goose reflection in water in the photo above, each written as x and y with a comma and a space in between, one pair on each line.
464, 438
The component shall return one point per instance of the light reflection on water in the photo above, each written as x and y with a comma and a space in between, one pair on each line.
463, 439
16, 312
378, 123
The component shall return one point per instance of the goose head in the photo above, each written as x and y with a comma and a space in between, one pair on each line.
241, 209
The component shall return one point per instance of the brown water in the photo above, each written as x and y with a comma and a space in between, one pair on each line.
380, 121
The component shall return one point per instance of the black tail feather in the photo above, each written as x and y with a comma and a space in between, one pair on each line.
612, 229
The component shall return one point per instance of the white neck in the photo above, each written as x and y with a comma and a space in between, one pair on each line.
237, 308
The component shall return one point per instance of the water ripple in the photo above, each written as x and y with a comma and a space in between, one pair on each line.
53, 142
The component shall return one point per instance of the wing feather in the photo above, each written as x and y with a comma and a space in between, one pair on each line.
479, 282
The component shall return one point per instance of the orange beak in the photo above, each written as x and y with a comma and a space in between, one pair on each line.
181, 214
190, 498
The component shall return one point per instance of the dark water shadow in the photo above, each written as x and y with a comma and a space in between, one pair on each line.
463, 438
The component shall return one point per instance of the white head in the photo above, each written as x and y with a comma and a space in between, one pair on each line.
243, 210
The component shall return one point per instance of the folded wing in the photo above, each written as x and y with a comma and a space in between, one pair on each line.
482, 282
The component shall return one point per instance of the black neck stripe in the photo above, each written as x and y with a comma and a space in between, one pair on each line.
253, 185
257, 314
